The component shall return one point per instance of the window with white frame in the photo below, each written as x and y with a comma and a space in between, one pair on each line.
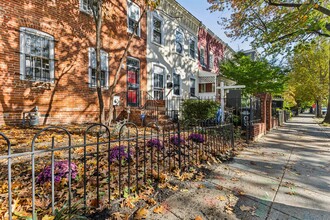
104, 76
133, 16
206, 87
157, 30
158, 83
192, 87
179, 41
176, 84
36, 55
192, 48
202, 56
211, 61
83, 5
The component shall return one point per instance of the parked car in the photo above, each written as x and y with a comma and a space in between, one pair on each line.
324, 110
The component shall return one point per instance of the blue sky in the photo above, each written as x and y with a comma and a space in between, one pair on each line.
199, 9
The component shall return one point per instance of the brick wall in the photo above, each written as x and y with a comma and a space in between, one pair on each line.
69, 99
267, 121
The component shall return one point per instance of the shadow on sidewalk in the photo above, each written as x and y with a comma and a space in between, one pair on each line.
256, 209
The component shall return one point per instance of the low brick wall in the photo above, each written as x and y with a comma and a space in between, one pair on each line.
258, 130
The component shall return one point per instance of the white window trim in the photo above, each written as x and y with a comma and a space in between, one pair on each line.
211, 61
195, 45
180, 83
81, 8
192, 78
24, 30
130, 3
200, 56
158, 17
90, 50
133, 58
179, 30
153, 78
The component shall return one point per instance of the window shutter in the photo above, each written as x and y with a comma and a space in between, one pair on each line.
90, 58
22, 53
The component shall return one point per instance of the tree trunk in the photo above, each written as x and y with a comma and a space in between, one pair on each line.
98, 23
118, 71
318, 109
327, 116
111, 110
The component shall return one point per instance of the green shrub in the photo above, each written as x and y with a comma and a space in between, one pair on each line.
199, 109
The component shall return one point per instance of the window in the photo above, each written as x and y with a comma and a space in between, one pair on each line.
202, 56
85, 7
159, 74
211, 61
92, 68
206, 87
157, 30
192, 48
133, 16
133, 87
37, 55
192, 87
179, 42
176, 84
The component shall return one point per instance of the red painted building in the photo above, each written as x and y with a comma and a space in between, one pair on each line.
211, 51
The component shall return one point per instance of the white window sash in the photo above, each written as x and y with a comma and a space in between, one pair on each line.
91, 58
160, 31
23, 32
131, 6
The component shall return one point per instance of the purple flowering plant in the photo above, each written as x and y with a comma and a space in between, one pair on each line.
119, 153
197, 138
61, 170
155, 142
176, 140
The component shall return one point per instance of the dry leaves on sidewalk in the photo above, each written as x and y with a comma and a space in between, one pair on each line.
159, 210
244, 208
141, 214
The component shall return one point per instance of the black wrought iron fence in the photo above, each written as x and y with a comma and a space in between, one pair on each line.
56, 173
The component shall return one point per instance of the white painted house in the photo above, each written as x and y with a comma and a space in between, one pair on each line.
172, 54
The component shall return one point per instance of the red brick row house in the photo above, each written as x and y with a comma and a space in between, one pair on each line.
48, 61
47, 58
212, 50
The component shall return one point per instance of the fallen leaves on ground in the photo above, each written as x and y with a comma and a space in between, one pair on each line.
47, 217
221, 198
229, 209
291, 193
141, 213
198, 218
159, 209
244, 208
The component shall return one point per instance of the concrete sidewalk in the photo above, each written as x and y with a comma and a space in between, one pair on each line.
285, 175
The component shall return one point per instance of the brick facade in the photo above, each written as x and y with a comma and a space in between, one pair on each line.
211, 45
268, 122
69, 99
